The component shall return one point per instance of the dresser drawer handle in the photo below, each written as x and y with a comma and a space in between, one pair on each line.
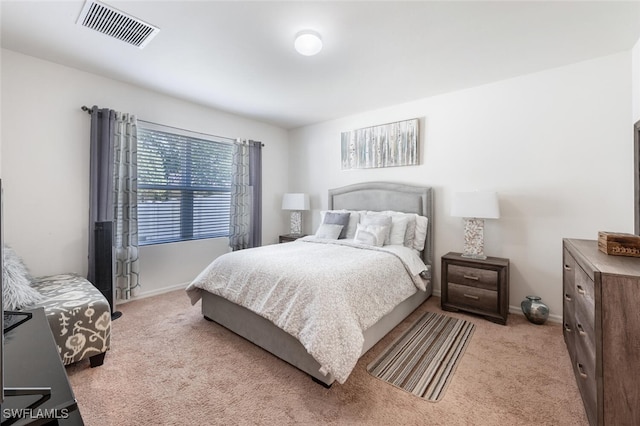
471, 277
567, 297
580, 329
567, 328
580, 289
581, 370
471, 296
567, 267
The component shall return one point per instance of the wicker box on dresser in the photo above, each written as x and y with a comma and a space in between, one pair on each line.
601, 326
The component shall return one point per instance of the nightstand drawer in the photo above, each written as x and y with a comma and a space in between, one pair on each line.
474, 277
472, 297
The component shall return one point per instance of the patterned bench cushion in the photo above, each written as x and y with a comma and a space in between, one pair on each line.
79, 315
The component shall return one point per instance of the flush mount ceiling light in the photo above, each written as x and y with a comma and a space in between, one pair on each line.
308, 43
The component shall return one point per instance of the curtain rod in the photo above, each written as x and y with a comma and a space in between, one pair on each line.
88, 111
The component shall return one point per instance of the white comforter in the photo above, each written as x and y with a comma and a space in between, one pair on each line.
325, 293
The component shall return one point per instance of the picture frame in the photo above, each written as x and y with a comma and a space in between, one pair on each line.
387, 145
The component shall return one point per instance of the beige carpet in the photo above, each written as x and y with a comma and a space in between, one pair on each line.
169, 366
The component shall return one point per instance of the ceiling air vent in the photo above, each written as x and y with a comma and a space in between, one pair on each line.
114, 23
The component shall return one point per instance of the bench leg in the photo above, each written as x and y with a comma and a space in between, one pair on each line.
97, 360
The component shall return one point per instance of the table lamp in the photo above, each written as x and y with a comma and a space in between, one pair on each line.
296, 202
475, 207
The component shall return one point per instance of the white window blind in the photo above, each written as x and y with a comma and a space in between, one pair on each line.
184, 184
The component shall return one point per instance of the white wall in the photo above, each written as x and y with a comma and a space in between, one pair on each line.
45, 152
635, 72
554, 145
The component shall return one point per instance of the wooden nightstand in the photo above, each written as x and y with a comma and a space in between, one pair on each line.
475, 285
287, 238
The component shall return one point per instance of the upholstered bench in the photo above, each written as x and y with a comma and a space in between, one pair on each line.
79, 316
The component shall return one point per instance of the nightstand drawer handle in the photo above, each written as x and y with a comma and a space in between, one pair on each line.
471, 296
581, 370
580, 329
471, 277
567, 328
567, 267
567, 296
580, 289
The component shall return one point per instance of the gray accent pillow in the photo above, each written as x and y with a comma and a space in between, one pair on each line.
332, 218
17, 292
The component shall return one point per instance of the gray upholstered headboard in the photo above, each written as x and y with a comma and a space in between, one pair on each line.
380, 196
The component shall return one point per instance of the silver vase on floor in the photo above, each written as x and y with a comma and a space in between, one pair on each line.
535, 310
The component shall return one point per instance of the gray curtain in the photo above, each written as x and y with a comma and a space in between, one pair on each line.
125, 204
113, 192
101, 176
245, 216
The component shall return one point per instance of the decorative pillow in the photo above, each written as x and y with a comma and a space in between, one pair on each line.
354, 219
372, 235
17, 292
409, 236
398, 229
378, 219
421, 232
334, 218
329, 231
398, 220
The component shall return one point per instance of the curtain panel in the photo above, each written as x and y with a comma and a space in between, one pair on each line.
113, 193
125, 205
245, 213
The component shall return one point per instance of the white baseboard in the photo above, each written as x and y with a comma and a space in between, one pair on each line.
517, 310
144, 295
512, 309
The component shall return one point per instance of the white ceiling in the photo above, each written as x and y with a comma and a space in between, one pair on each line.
238, 56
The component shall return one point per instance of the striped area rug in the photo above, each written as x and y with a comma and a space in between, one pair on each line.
423, 359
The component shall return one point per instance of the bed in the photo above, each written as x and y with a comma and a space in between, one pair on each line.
261, 329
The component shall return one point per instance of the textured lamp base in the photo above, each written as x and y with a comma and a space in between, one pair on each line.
474, 238
296, 222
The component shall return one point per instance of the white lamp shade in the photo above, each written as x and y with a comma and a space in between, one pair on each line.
295, 201
479, 204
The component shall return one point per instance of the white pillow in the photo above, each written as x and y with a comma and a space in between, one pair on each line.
421, 232
329, 231
17, 292
372, 235
399, 223
409, 236
379, 219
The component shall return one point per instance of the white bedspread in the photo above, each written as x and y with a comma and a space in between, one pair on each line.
325, 293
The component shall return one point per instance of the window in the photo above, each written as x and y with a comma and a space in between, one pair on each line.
184, 184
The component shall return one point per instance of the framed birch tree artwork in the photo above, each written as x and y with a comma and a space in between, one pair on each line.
386, 145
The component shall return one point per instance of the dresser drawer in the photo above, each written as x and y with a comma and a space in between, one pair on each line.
584, 321
474, 298
585, 343
587, 384
474, 277
568, 271
584, 295
569, 332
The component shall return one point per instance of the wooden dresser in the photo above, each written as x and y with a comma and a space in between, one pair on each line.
601, 316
